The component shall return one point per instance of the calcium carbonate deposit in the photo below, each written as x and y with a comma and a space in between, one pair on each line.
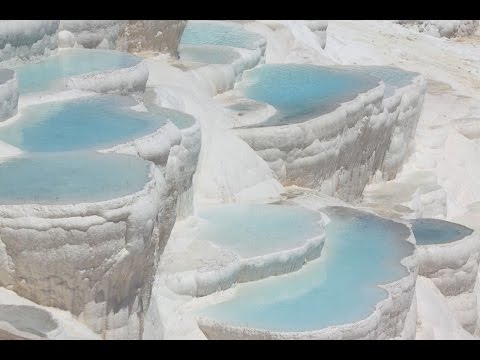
242, 179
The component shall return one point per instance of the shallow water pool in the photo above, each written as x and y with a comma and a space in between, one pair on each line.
252, 230
208, 54
393, 78
219, 33
300, 92
85, 123
433, 231
68, 178
5, 75
178, 118
361, 251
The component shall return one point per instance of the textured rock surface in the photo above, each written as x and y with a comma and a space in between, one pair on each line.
212, 268
8, 94
23, 40
319, 28
408, 196
125, 35
91, 34
453, 268
322, 153
23, 318
96, 260
175, 152
125, 81
436, 320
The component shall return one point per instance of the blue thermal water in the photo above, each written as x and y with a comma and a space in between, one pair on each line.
361, 252
433, 231
301, 91
90, 122
393, 78
208, 54
252, 230
64, 178
49, 73
219, 33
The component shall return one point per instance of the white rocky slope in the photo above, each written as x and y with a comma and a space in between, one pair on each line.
228, 168
443, 28
441, 178
125, 35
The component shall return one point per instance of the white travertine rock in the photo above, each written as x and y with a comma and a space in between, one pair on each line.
8, 94
408, 196
321, 153
436, 321
218, 78
96, 260
293, 41
27, 40
468, 127
220, 175
459, 169
443, 28
131, 80
120, 314
319, 28
25, 319
143, 220
205, 276
453, 268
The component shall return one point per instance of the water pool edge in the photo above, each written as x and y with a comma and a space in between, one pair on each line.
453, 268
392, 317
129, 80
388, 122
76, 243
202, 282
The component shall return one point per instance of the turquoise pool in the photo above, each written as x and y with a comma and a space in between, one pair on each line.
49, 73
361, 251
178, 118
208, 54
85, 123
70, 178
433, 231
393, 78
300, 91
